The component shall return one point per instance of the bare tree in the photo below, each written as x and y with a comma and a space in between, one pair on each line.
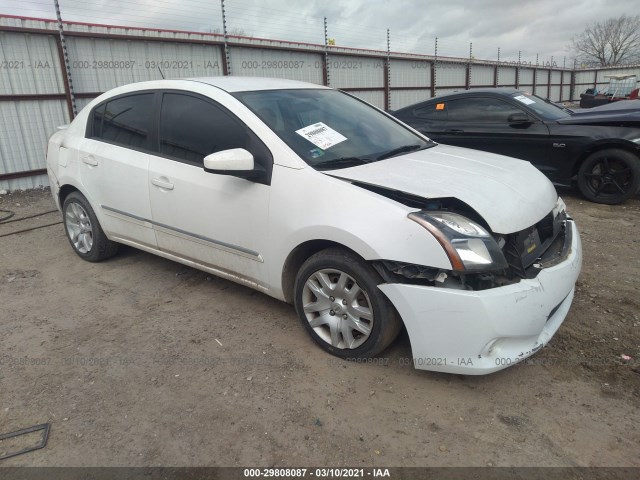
611, 42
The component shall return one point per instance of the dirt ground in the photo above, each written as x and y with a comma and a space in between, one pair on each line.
142, 361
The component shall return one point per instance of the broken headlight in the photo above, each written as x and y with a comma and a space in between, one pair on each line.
469, 246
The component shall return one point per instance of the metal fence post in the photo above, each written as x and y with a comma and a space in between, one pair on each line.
518, 69
572, 88
226, 63
434, 68
468, 82
496, 72
535, 76
326, 80
387, 75
64, 60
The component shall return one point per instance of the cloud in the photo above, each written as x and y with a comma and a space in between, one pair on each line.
543, 27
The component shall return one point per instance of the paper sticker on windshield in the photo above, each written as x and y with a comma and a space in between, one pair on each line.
321, 135
525, 100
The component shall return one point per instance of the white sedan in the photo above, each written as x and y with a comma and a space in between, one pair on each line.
314, 197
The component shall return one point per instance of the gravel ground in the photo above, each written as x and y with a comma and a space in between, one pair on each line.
142, 361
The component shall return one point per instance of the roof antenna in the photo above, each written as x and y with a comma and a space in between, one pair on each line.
161, 74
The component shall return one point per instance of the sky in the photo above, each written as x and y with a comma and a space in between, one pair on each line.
536, 27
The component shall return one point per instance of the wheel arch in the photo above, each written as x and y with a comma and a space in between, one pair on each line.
65, 191
615, 143
298, 256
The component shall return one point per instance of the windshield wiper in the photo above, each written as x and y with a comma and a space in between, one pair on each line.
399, 150
341, 162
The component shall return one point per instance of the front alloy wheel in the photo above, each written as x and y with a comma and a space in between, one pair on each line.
337, 309
338, 301
609, 176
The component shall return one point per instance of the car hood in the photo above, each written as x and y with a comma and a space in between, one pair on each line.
623, 113
509, 194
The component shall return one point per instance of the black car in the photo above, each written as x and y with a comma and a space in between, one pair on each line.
600, 150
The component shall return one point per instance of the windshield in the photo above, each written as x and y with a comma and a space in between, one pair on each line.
545, 110
329, 129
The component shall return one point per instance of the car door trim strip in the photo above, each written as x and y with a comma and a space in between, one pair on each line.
245, 251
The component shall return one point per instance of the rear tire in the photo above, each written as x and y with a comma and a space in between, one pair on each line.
84, 232
609, 176
339, 304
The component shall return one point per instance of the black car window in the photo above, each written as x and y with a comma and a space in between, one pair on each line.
544, 108
192, 128
125, 120
479, 110
433, 111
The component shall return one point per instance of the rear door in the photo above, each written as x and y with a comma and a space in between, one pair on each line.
114, 160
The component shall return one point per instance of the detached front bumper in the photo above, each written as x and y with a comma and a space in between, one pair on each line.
479, 332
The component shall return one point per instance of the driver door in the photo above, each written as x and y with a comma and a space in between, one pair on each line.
219, 221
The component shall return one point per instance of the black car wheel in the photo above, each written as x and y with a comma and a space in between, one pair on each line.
609, 176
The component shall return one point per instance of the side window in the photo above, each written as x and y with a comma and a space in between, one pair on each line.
435, 111
125, 121
480, 110
192, 128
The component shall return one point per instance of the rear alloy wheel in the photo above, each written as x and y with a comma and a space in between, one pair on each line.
84, 231
339, 303
609, 176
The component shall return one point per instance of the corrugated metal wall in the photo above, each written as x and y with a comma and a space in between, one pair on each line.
34, 97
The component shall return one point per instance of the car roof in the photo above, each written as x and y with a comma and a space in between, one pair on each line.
503, 92
246, 84
496, 92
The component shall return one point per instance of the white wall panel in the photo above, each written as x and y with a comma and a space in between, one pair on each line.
526, 76
29, 64
254, 62
507, 76
482, 75
26, 128
355, 72
98, 64
410, 73
451, 74
402, 98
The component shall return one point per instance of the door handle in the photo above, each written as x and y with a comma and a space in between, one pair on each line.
162, 183
454, 131
90, 160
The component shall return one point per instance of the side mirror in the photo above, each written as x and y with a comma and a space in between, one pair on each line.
236, 159
519, 118
236, 162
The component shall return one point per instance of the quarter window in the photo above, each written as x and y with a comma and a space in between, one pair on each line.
480, 110
125, 121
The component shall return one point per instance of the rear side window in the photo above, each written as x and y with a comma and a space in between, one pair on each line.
433, 111
125, 121
192, 128
480, 110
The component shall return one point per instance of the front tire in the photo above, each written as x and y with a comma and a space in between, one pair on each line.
339, 304
609, 176
84, 232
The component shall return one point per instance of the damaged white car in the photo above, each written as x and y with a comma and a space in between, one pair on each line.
314, 197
